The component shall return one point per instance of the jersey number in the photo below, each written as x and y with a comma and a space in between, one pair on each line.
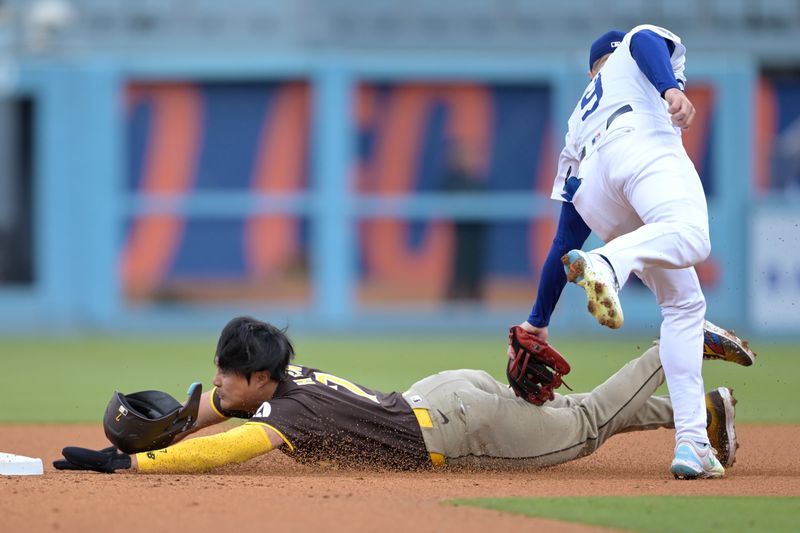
329, 380
334, 381
592, 96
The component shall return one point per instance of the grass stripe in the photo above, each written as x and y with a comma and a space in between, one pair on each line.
71, 380
659, 514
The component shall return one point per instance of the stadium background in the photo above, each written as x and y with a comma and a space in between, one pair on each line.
168, 163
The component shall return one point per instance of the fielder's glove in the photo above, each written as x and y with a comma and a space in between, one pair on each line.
107, 460
534, 368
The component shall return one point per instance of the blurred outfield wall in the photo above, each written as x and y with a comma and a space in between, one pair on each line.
310, 181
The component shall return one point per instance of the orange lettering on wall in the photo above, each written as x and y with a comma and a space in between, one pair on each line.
387, 253
366, 118
766, 118
695, 138
169, 172
272, 241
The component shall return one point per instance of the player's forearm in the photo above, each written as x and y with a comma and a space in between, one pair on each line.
571, 233
652, 55
234, 446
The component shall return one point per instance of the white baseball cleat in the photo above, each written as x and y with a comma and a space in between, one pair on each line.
695, 461
591, 272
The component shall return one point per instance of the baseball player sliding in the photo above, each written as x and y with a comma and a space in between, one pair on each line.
455, 418
624, 174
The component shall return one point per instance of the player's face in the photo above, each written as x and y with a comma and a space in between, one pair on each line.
236, 392
597, 66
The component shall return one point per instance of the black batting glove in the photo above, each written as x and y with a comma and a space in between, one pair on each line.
107, 460
63, 464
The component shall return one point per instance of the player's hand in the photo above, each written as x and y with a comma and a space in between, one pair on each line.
680, 108
107, 460
63, 464
542, 332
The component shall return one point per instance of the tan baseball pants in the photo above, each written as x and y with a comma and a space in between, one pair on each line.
479, 422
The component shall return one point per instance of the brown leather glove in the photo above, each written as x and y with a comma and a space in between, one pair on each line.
534, 368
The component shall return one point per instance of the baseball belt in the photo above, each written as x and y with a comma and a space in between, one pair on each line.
611, 118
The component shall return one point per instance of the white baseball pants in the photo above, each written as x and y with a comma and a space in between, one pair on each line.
641, 194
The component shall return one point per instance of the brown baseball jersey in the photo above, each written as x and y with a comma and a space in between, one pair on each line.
322, 417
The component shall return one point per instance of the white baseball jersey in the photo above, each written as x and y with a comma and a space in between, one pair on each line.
620, 82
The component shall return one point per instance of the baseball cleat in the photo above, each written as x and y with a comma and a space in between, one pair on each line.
722, 344
598, 280
695, 461
720, 412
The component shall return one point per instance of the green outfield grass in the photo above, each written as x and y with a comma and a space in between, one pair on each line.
71, 380
657, 514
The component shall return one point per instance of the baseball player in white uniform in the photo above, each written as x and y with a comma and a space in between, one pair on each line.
624, 174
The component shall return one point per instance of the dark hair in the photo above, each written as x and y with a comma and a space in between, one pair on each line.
247, 345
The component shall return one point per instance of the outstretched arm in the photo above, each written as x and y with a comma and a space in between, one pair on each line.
652, 54
234, 446
571, 233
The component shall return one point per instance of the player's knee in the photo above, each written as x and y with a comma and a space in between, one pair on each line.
692, 304
698, 306
705, 247
700, 243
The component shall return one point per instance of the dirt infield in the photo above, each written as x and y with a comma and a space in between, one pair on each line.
273, 492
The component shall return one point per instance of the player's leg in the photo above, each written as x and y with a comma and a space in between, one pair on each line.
666, 193
668, 197
683, 309
488, 426
651, 213
574, 426
655, 413
625, 401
